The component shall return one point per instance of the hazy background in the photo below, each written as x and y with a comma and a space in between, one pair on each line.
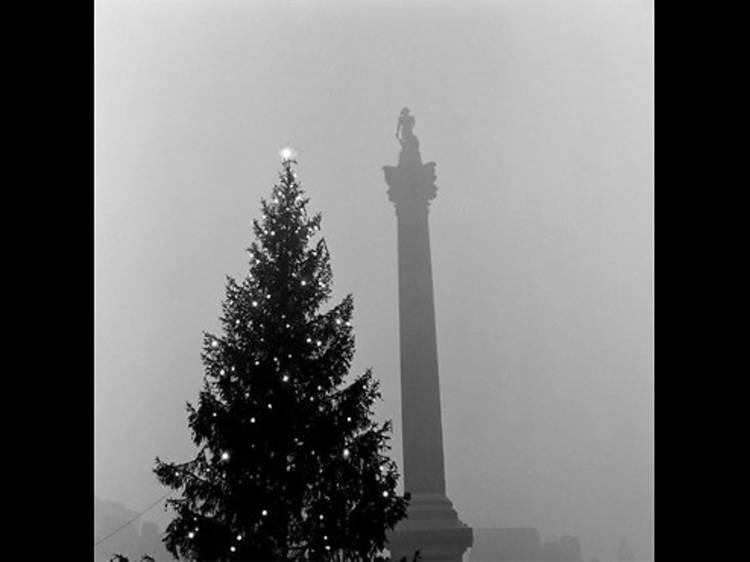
539, 115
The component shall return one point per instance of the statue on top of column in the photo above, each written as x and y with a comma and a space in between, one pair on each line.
412, 180
406, 137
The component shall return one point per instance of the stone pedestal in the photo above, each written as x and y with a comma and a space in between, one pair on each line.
433, 529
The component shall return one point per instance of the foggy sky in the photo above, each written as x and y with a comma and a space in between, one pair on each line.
539, 115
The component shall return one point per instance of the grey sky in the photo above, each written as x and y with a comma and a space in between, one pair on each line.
539, 115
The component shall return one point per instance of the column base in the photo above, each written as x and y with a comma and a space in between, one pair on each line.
432, 527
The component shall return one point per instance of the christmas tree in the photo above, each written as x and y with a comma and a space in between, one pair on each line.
290, 464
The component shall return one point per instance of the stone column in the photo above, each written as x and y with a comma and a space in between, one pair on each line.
432, 525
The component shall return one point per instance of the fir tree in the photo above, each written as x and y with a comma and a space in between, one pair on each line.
290, 464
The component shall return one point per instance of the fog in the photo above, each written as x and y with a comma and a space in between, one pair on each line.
539, 115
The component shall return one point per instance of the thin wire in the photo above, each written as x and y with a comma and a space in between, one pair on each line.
129, 522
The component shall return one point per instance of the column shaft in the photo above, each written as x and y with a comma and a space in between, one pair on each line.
424, 471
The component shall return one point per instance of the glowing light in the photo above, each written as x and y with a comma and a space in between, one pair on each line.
255, 303
232, 548
225, 456
285, 378
348, 418
385, 494
286, 153
270, 406
304, 282
264, 513
222, 372
214, 343
346, 453
252, 420
191, 534
239, 537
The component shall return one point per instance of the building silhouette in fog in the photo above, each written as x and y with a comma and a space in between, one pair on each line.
522, 544
133, 540
566, 549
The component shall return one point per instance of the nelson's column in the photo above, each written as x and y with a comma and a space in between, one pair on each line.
432, 525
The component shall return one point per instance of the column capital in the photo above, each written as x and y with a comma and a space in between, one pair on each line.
411, 184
